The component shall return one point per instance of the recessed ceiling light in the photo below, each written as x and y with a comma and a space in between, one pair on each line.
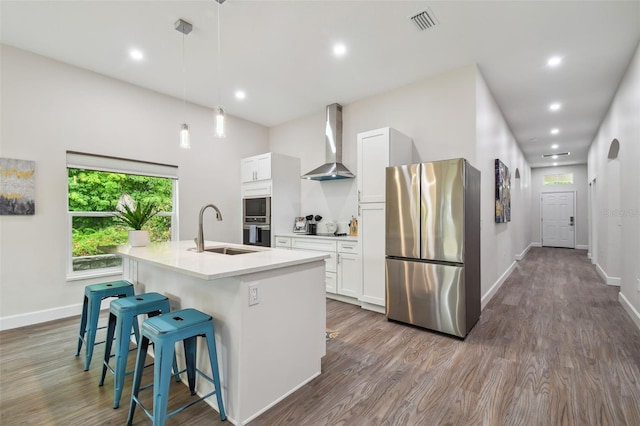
555, 131
554, 146
555, 164
339, 49
554, 61
136, 54
555, 106
240, 94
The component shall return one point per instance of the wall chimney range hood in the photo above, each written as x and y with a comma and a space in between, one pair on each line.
333, 169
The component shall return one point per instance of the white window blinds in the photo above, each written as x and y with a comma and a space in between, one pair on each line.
80, 160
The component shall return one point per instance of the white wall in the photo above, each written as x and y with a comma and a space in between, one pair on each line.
447, 116
48, 108
437, 113
618, 190
501, 243
580, 186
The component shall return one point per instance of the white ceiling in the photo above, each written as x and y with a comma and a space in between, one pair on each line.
280, 53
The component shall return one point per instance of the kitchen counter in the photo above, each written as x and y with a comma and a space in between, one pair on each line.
320, 237
180, 256
268, 346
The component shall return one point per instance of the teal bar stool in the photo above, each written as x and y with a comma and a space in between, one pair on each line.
93, 296
164, 331
123, 314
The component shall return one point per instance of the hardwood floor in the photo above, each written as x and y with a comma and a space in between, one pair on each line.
553, 347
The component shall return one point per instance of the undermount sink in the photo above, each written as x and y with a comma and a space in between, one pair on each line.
228, 250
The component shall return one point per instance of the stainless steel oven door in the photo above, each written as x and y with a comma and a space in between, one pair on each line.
256, 235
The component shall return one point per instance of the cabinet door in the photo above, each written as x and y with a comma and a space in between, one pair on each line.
248, 167
349, 283
372, 251
255, 168
373, 158
330, 282
263, 167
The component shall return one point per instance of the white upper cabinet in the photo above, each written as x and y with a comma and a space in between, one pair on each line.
256, 168
377, 150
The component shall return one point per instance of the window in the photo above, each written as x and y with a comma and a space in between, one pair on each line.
559, 179
95, 185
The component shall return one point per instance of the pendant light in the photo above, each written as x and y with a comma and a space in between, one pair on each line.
185, 138
218, 111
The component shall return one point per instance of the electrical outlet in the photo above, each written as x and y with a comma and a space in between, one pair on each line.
638, 285
254, 294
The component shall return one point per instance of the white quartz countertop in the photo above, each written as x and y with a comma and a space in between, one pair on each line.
319, 237
181, 256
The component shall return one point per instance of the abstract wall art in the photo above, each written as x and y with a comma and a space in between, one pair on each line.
503, 192
17, 187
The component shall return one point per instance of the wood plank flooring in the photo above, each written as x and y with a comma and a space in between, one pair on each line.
553, 347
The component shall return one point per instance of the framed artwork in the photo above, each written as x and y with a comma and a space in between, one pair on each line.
17, 187
300, 225
503, 192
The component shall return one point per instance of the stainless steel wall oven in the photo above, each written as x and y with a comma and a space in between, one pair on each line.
256, 223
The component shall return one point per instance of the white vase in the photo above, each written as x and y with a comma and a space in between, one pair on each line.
138, 238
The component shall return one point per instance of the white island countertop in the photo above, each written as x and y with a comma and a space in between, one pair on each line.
180, 256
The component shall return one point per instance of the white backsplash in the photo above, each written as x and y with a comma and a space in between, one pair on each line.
335, 201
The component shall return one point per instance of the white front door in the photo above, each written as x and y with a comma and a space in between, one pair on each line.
558, 219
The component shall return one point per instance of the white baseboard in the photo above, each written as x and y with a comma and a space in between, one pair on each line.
524, 252
607, 279
375, 308
31, 318
581, 247
534, 244
345, 299
494, 288
633, 313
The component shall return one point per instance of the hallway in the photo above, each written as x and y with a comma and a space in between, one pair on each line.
552, 347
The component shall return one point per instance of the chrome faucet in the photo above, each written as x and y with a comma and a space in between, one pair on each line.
200, 239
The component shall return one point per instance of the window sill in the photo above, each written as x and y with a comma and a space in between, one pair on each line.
85, 275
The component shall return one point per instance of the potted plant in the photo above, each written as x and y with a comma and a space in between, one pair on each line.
135, 215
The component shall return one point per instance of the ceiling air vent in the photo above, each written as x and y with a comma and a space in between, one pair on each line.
555, 155
424, 20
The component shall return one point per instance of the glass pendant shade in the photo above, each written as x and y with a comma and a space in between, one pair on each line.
185, 138
219, 113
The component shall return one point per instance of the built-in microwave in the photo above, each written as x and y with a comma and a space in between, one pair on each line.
256, 218
256, 211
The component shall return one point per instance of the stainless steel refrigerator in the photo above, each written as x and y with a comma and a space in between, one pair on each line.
433, 245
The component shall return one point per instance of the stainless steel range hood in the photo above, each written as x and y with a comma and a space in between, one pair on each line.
333, 168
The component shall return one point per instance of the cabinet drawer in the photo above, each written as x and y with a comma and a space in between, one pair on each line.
283, 242
256, 189
348, 247
312, 244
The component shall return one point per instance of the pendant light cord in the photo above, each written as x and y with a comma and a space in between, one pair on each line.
184, 83
219, 60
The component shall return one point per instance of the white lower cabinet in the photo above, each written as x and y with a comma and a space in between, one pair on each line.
324, 246
283, 242
372, 243
343, 271
349, 281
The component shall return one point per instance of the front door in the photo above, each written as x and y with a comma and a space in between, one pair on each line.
558, 219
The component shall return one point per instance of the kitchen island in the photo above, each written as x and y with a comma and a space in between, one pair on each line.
266, 350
